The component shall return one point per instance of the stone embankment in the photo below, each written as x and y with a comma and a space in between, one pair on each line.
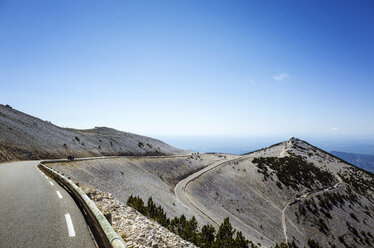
136, 230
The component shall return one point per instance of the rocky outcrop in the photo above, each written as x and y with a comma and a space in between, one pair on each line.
135, 229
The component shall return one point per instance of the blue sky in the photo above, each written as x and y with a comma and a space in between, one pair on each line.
219, 68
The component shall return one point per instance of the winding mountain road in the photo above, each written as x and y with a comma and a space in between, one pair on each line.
183, 196
36, 212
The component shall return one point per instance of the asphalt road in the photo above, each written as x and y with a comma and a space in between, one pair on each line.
36, 212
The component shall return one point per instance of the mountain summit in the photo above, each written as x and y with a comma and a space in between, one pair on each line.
292, 192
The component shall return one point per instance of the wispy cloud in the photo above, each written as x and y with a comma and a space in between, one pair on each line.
334, 129
280, 76
251, 81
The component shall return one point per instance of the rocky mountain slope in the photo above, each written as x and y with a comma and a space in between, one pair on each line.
136, 229
140, 176
26, 137
291, 192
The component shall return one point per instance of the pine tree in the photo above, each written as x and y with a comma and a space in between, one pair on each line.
190, 230
161, 217
151, 208
240, 241
187, 229
206, 237
137, 203
224, 237
130, 200
177, 225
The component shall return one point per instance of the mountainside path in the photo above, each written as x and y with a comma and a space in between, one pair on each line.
297, 199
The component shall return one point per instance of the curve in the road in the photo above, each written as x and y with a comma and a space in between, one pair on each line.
36, 212
181, 194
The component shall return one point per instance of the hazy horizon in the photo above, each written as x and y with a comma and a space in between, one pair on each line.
241, 145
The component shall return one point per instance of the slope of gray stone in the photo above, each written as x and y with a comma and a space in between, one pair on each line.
140, 176
24, 137
255, 205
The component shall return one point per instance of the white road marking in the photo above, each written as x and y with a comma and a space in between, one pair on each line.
51, 183
70, 225
59, 194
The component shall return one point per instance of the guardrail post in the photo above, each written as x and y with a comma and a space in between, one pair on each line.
108, 216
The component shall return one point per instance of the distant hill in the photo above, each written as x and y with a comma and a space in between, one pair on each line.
291, 192
363, 161
25, 137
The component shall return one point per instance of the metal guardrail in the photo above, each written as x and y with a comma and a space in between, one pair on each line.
104, 233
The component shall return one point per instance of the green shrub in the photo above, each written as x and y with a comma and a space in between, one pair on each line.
313, 244
187, 229
294, 170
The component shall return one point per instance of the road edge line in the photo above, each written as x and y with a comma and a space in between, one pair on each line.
103, 231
